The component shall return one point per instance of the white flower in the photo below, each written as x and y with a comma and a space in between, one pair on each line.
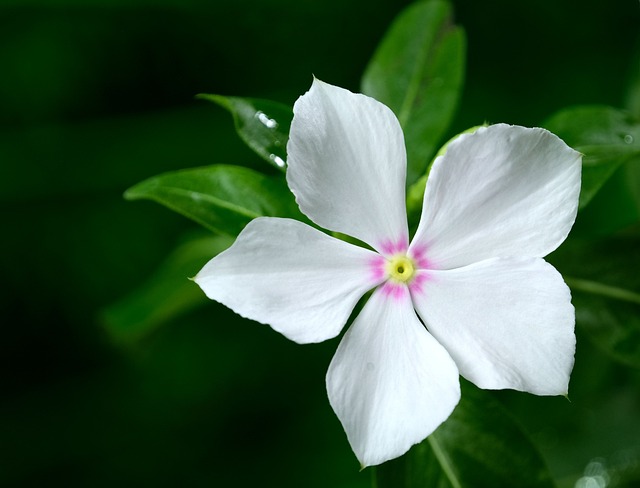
490, 308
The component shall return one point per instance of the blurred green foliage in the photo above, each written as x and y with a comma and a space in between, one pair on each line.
98, 95
478, 445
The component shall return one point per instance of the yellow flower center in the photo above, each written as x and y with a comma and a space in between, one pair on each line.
400, 268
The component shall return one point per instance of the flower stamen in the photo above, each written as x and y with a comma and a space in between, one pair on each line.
400, 268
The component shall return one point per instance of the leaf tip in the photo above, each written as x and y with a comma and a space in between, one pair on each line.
131, 193
217, 99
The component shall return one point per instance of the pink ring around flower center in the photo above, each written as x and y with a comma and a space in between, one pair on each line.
377, 268
419, 255
379, 272
390, 247
397, 291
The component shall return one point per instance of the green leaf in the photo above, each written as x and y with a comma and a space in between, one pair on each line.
418, 71
165, 295
480, 445
606, 136
221, 198
605, 288
262, 124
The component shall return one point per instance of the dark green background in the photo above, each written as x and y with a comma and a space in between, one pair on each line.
97, 95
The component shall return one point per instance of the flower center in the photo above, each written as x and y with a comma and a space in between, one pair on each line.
400, 268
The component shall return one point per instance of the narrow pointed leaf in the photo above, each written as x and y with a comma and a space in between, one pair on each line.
478, 446
418, 71
607, 137
605, 288
221, 198
165, 295
262, 124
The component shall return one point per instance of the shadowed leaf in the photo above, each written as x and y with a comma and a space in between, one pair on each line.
165, 295
605, 288
606, 136
480, 445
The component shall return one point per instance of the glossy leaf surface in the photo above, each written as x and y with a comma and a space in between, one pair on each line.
480, 445
606, 136
221, 198
418, 71
262, 124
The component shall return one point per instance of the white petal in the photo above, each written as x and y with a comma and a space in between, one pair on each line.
347, 165
507, 323
390, 383
501, 191
284, 273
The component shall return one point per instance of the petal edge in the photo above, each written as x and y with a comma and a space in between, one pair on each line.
390, 383
508, 323
498, 192
347, 164
300, 281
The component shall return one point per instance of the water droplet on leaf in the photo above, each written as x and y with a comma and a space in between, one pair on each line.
278, 160
268, 122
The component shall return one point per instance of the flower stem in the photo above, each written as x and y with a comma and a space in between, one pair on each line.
601, 289
444, 461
